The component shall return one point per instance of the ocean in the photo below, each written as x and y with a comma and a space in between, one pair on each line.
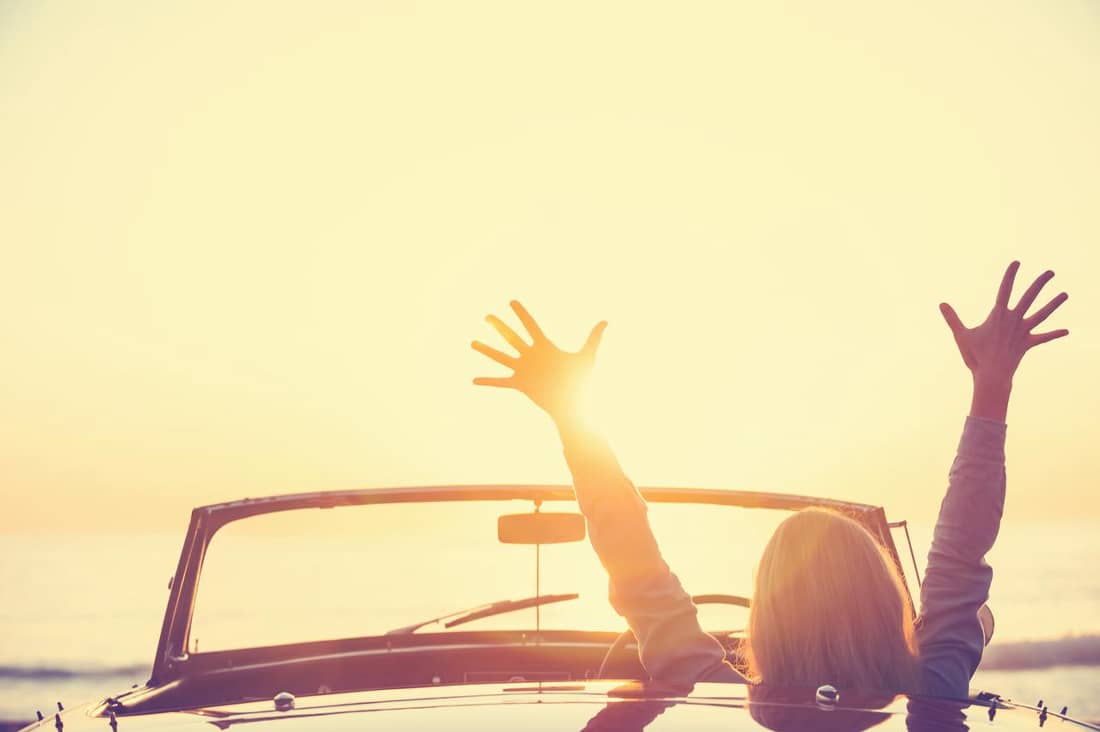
81, 616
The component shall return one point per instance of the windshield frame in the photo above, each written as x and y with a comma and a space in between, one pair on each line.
171, 658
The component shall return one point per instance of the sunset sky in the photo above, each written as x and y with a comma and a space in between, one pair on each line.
246, 245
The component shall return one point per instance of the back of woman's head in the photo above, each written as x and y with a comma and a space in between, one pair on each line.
829, 607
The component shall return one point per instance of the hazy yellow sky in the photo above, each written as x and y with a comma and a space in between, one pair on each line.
246, 245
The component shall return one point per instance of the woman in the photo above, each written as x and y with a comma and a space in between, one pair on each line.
828, 604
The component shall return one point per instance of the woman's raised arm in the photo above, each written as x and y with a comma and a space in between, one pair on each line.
672, 646
957, 579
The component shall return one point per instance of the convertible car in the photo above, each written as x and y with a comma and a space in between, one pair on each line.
383, 609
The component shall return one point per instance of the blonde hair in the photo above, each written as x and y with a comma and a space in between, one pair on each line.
829, 606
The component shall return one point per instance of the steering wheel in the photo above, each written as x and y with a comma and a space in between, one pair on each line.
624, 637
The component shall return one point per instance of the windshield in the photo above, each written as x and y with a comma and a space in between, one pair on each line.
353, 571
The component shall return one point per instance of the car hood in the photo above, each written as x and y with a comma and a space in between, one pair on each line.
591, 706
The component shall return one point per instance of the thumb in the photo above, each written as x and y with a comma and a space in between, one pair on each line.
952, 318
594, 339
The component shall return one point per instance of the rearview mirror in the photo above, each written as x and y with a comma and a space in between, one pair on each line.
540, 528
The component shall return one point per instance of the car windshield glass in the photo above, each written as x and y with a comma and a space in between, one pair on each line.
356, 571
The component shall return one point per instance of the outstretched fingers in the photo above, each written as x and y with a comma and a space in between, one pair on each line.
498, 356
993, 349
959, 332
1044, 312
1037, 338
952, 318
504, 382
593, 341
1005, 290
1032, 292
528, 322
507, 333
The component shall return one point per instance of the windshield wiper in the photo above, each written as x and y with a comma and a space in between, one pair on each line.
485, 611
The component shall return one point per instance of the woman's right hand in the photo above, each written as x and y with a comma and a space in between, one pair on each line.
993, 350
549, 376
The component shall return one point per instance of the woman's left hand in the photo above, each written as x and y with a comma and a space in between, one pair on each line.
550, 377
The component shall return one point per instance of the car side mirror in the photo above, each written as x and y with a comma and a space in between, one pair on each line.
540, 528
985, 617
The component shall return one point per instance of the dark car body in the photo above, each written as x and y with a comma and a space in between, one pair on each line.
591, 706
